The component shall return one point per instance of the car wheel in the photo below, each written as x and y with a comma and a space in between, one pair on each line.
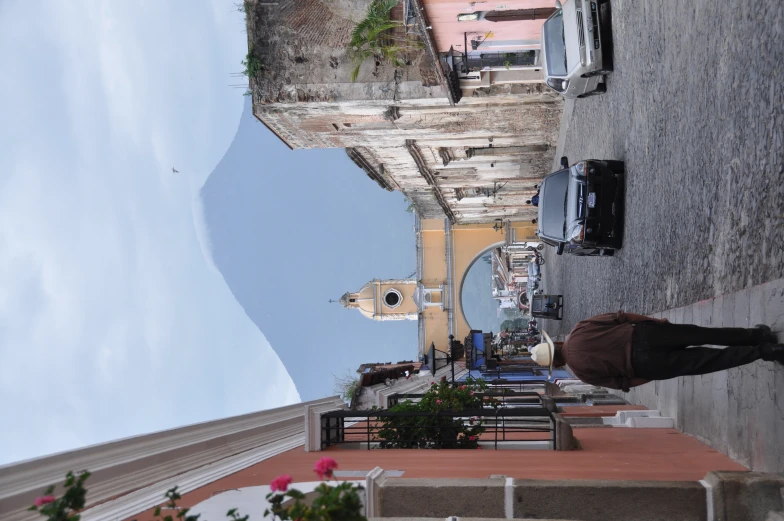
540, 247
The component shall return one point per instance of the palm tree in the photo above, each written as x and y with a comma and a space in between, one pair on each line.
373, 36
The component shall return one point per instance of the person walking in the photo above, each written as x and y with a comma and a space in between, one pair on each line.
623, 350
535, 199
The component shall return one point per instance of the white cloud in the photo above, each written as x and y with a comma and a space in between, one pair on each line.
113, 321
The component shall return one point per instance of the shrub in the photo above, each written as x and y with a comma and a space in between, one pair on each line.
338, 502
253, 66
434, 431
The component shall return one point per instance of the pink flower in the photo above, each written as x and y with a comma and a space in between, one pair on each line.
281, 483
472, 394
472, 438
438, 402
44, 500
324, 467
432, 383
462, 387
479, 447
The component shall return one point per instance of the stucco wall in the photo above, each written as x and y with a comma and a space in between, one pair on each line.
633, 454
448, 32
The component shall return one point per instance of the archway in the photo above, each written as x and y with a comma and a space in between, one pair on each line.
447, 260
478, 307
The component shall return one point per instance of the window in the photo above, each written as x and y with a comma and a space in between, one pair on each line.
552, 204
516, 15
467, 17
392, 298
555, 46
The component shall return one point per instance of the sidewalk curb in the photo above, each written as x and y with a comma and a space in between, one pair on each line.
563, 128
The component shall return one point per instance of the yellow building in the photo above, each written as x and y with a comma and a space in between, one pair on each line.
445, 253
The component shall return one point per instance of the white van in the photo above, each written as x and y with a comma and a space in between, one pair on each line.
574, 53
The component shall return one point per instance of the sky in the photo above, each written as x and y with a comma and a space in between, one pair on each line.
290, 230
113, 319
480, 308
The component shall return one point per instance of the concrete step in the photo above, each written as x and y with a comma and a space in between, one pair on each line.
647, 419
745, 496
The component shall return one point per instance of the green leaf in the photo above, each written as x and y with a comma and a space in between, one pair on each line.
296, 494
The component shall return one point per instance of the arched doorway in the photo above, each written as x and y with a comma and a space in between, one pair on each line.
480, 308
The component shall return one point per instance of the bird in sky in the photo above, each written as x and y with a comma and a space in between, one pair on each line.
175, 170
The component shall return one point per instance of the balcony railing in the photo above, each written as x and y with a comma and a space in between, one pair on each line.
504, 427
496, 383
463, 64
505, 397
498, 59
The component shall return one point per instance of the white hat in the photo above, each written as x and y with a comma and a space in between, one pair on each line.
543, 354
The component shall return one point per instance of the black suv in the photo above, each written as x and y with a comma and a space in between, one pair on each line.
581, 207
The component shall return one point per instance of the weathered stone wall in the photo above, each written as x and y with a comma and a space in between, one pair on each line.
477, 189
305, 96
380, 122
302, 45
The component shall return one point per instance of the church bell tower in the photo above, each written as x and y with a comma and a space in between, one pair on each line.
392, 299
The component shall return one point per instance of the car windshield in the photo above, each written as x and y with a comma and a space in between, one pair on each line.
552, 204
555, 48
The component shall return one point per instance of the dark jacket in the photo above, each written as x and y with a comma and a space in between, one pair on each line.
599, 350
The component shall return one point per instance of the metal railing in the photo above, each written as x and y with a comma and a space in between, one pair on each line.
506, 397
463, 64
516, 385
504, 427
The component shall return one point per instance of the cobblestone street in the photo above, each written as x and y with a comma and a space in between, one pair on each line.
695, 108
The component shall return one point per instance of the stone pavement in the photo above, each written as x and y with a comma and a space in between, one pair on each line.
695, 110
739, 412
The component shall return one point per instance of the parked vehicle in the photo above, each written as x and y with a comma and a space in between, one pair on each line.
575, 49
581, 208
534, 276
534, 272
